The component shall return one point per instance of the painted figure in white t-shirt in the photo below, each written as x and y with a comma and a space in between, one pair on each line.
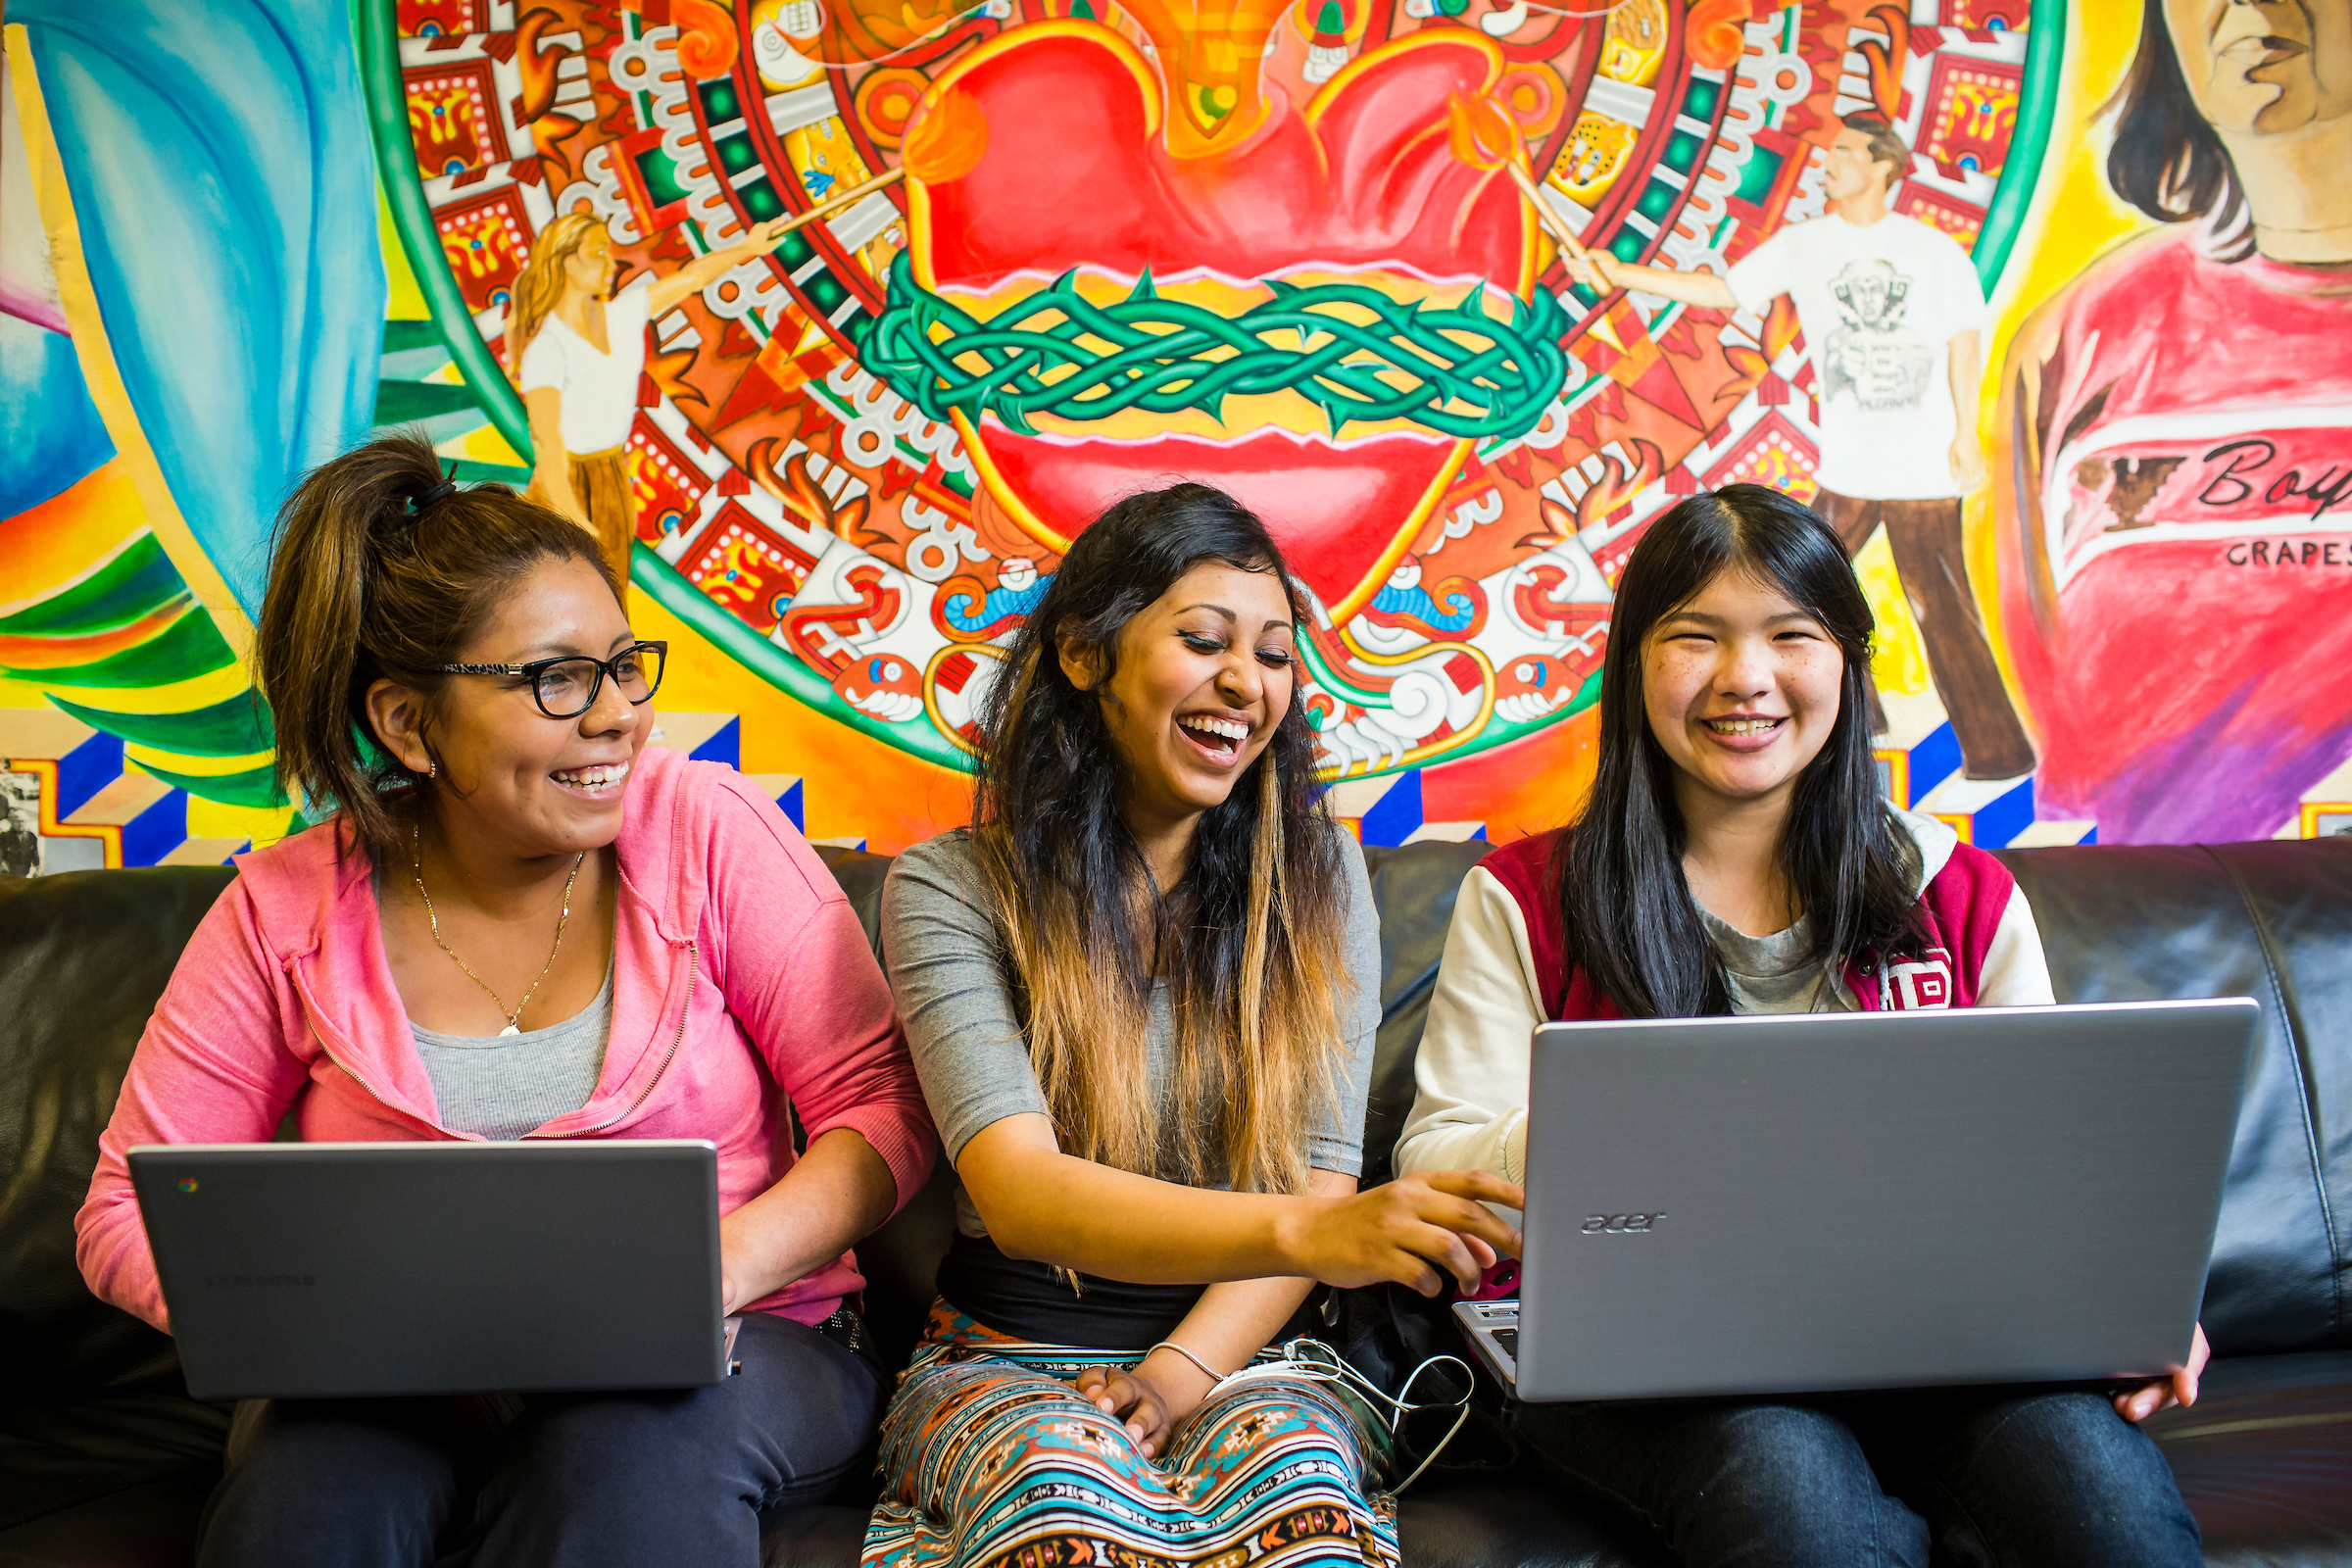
577, 358
1895, 317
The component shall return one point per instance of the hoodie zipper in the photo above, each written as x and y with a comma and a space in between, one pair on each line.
311, 1016
676, 1040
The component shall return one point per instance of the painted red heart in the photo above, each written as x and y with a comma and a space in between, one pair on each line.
1361, 184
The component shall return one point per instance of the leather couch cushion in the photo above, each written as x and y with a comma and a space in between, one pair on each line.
2272, 921
149, 1525
2264, 1459
59, 1453
1415, 888
82, 957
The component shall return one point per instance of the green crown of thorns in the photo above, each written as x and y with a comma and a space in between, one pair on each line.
1452, 368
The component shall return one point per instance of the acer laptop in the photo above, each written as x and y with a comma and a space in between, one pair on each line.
1807, 1202
307, 1270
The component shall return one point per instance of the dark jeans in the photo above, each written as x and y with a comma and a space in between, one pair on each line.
1931, 558
1977, 1479
578, 1479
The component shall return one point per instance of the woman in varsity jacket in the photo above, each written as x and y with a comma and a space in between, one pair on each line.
1737, 855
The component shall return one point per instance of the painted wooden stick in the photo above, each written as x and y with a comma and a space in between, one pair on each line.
834, 204
1553, 224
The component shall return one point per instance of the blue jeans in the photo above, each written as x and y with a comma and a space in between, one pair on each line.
576, 1480
1973, 1480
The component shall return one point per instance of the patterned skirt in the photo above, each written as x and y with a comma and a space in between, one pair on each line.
990, 1459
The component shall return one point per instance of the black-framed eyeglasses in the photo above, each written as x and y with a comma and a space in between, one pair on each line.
567, 687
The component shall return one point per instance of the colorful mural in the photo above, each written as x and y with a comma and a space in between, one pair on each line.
1066, 249
2175, 510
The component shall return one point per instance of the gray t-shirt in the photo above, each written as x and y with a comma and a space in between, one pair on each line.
1773, 974
504, 1086
949, 973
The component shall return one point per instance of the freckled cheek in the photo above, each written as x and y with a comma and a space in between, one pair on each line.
1674, 681
1816, 684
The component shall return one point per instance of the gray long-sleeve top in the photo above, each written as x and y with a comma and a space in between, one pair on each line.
949, 973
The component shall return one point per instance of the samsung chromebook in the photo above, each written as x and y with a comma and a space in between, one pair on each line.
302, 1270
1808, 1202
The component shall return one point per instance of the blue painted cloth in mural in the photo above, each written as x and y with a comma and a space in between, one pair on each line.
223, 181
48, 427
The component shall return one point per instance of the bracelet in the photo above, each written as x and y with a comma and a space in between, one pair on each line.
1210, 1372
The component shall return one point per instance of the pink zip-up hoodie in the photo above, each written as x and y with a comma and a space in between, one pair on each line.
741, 978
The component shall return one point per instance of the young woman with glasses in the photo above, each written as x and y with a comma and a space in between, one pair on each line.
519, 923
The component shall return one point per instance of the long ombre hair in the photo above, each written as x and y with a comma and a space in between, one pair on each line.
1250, 939
1632, 925
540, 284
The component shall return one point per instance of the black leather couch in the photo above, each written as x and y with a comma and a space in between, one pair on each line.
105, 1461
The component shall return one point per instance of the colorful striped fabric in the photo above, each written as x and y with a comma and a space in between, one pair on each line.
993, 1460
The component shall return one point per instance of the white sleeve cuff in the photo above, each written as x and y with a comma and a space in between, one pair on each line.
1470, 1076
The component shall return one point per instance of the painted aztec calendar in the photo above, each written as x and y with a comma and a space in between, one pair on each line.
1273, 250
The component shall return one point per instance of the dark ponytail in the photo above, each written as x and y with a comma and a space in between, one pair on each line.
384, 570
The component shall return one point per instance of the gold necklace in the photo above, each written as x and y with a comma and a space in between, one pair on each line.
417, 872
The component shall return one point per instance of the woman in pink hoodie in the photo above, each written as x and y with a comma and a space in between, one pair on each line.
522, 923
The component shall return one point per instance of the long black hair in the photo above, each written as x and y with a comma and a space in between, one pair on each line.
1249, 939
2165, 159
1632, 925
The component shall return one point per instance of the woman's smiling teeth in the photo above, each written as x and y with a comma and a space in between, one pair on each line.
602, 776
1743, 726
1217, 734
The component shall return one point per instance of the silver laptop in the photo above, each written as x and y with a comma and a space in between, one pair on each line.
302, 1270
1808, 1202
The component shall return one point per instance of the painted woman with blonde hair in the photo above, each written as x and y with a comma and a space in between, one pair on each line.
577, 358
1142, 992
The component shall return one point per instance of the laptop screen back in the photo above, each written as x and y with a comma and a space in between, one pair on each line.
328, 1269
1729, 1206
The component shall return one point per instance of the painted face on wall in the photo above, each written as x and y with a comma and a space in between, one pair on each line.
590, 268
1741, 687
1850, 169
1870, 292
1203, 675
2264, 68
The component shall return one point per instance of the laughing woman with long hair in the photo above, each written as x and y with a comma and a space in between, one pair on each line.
1142, 992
